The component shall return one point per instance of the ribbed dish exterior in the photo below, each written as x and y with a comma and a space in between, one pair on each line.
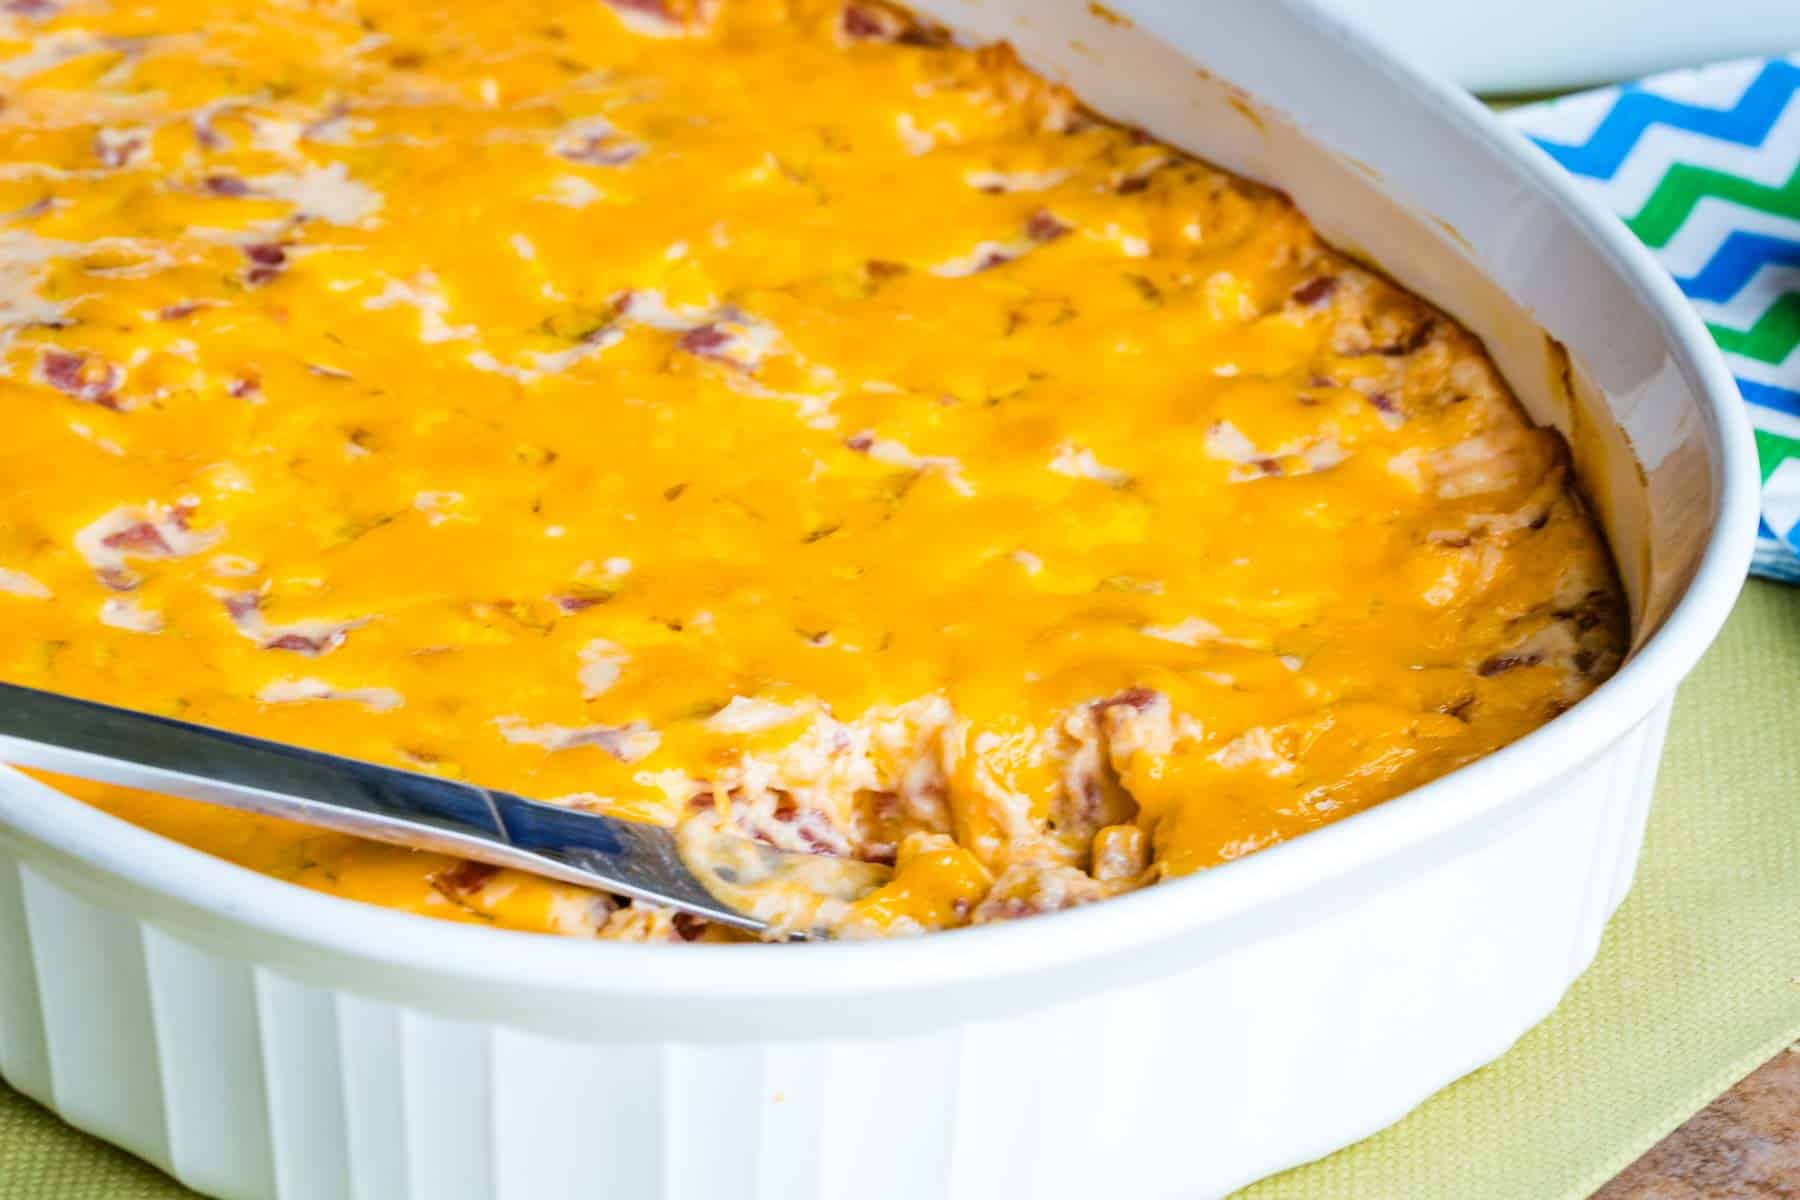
245, 1082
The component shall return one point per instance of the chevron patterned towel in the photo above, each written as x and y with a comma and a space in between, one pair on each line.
1704, 166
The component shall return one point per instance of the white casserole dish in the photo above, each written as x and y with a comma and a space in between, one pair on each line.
256, 1039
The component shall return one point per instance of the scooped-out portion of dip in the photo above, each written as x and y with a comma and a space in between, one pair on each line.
770, 413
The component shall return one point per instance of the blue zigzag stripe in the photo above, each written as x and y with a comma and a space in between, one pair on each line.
1775, 560
1747, 123
1736, 263
1771, 544
1767, 395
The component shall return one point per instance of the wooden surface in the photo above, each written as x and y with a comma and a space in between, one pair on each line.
1744, 1144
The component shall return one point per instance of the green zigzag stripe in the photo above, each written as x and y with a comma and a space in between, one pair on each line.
1775, 334
1686, 185
1773, 450
1771, 339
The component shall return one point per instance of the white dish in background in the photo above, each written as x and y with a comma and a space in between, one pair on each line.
1552, 45
257, 1039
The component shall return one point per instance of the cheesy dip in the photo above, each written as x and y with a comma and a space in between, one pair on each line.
771, 413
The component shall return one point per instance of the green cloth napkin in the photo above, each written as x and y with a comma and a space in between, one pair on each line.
1697, 983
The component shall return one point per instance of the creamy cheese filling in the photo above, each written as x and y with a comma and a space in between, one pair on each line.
770, 415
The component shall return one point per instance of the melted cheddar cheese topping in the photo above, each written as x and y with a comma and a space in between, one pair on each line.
768, 409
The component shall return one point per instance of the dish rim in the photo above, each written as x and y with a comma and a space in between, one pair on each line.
1138, 920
